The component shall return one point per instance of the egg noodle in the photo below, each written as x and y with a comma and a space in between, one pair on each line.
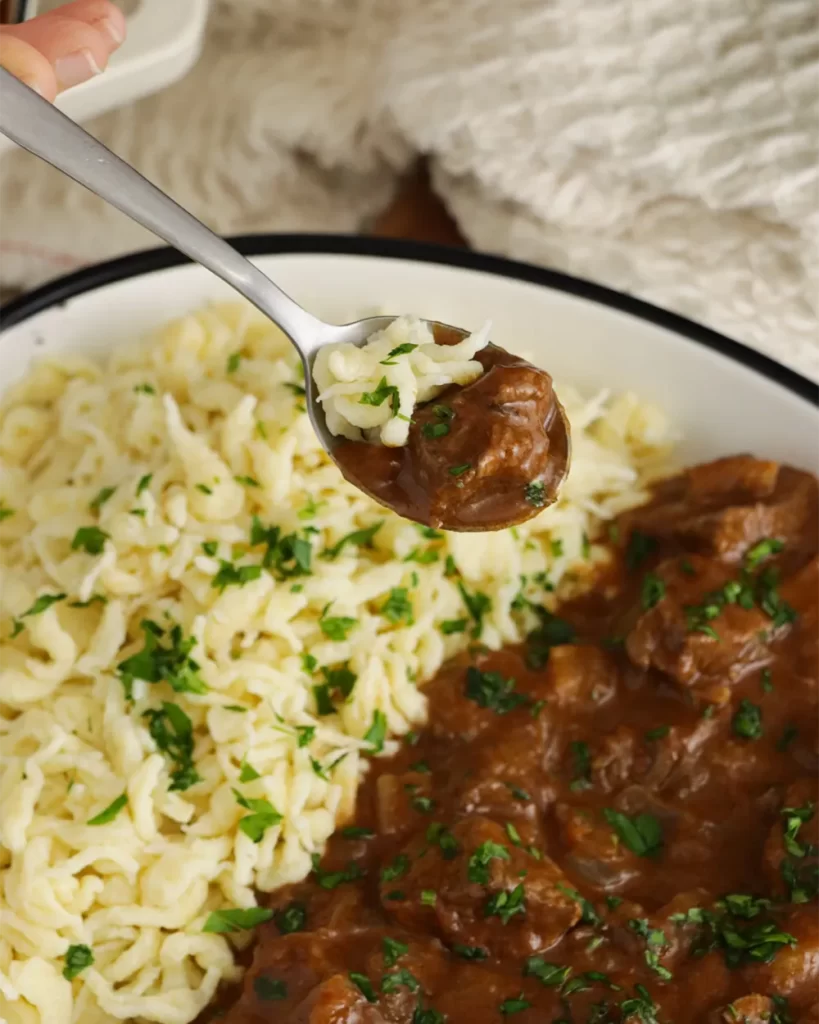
371, 391
206, 633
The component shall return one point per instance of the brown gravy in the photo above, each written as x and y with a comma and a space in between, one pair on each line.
480, 457
612, 824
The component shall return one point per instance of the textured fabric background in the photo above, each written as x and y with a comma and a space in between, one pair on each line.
667, 149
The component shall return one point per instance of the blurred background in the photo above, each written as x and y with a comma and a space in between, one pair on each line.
668, 150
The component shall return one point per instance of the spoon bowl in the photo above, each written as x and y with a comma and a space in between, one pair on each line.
37, 126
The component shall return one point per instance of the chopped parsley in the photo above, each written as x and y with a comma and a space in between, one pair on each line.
788, 737
450, 626
429, 897
548, 974
145, 389
335, 627
400, 350
204, 489
144, 483
588, 914
263, 815
231, 575
741, 927
236, 919
233, 361
324, 703
506, 904
101, 498
478, 868
5, 513
269, 989
655, 943
747, 721
90, 539
393, 950
765, 680
360, 538
333, 879
761, 551
433, 430
210, 547
510, 1006
423, 557
398, 607
291, 918
247, 481
581, 759
659, 733
364, 985
552, 632
640, 547
471, 952
305, 734
444, 840
110, 812
247, 773
94, 599
535, 493
642, 833
477, 604
43, 602
377, 732
399, 979
490, 690
382, 392
165, 657
652, 592
172, 732
357, 832
77, 958
460, 470
290, 555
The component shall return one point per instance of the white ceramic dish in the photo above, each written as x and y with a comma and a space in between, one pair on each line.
723, 397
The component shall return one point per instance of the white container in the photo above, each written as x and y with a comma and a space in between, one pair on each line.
163, 43
723, 397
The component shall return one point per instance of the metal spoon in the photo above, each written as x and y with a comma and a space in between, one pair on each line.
36, 125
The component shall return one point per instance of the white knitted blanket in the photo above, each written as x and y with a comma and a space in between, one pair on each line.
665, 148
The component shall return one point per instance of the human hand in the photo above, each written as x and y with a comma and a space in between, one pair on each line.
64, 47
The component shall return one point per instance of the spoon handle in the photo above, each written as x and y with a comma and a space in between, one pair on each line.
37, 126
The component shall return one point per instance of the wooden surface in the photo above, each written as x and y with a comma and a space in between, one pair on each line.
417, 214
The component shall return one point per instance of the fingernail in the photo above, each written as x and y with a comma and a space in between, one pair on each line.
76, 68
112, 29
34, 85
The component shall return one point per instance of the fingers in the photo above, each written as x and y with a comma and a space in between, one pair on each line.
64, 47
27, 64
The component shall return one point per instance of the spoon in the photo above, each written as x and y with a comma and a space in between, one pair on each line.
36, 125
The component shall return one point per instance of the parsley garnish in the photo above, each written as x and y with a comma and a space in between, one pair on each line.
747, 721
399, 979
640, 547
535, 493
5, 513
144, 483
449, 626
548, 974
642, 834
247, 481
231, 575
89, 538
204, 489
382, 392
210, 547
233, 362
357, 832
145, 389
398, 607
110, 812
460, 470
101, 498
506, 904
291, 918
477, 604
165, 657
552, 632
433, 430
364, 985
77, 958
269, 989
581, 759
361, 538
172, 732
761, 551
43, 602
659, 733
262, 817
377, 732
247, 773
470, 952
653, 591
333, 879
335, 627
490, 690
478, 870
236, 919
510, 1006
393, 950
400, 350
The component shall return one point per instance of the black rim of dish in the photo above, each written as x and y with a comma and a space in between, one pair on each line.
136, 264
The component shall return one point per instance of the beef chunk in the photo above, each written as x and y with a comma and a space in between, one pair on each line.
693, 636
579, 676
794, 971
470, 890
723, 508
